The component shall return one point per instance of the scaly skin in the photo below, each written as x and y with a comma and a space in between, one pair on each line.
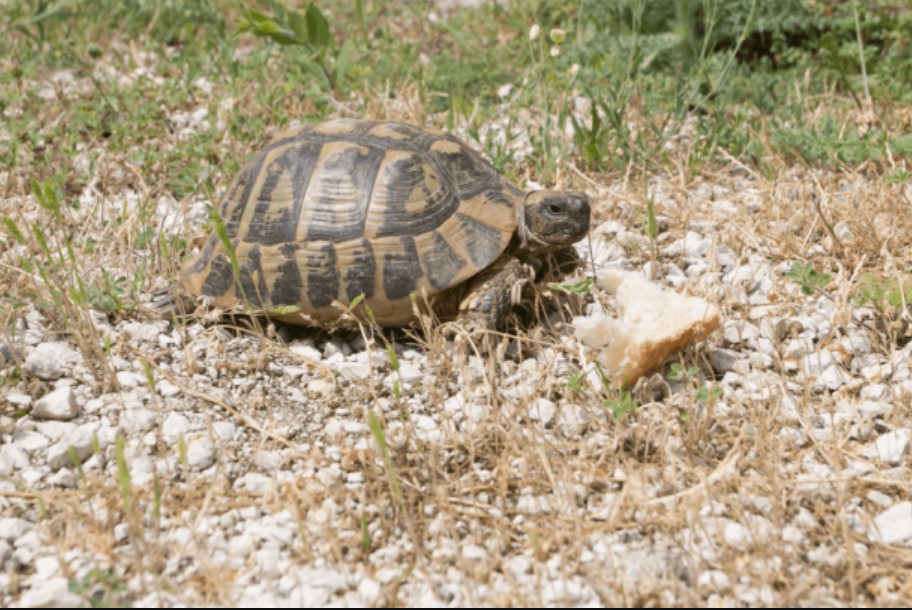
551, 222
494, 293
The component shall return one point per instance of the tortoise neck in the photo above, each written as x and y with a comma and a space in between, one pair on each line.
525, 243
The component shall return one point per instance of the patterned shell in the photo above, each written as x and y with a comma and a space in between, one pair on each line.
327, 212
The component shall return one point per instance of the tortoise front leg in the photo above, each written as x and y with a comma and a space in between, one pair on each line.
493, 293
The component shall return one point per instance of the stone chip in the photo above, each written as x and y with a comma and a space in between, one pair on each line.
59, 404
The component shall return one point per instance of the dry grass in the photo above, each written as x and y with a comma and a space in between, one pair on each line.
635, 508
651, 481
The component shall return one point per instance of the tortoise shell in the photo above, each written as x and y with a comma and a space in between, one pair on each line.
327, 212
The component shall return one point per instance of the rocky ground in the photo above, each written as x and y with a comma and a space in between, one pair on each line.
156, 464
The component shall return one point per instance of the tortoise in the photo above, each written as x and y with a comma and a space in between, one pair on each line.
377, 211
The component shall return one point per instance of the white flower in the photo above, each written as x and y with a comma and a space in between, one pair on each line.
534, 31
574, 69
557, 35
555, 51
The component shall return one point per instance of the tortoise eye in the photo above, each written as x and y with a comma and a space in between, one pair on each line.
554, 209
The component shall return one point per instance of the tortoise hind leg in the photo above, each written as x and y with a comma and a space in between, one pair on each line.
493, 293
170, 303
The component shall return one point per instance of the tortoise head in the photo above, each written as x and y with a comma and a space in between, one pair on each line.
552, 220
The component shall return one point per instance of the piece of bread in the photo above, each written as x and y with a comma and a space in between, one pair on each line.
654, 322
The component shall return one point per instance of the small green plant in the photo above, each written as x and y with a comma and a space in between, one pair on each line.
622, 403
123, 472
883, 294
709, 395
11, 379
150, 378
394, 364
652, 232
545, 80
284, 310
102, 589
576, 382
621, 406
827, 143
580, 288
76, 462
365, 533
592, 140
809, 278
357, 301
44, 12
500, 150
684, 418
145, 238
679, 373
182, 451
107, 296
899, 176
310, 31
377, 430
156, 497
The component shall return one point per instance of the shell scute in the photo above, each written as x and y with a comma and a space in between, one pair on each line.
401, 269
441, 262
287, 286
410, 197
322, 274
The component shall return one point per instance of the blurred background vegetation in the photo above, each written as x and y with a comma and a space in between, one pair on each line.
816, 82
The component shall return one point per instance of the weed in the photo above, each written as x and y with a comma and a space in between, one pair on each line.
621, 406
156, 497
101, 588
123, 473
182, 451
580, 288
809, 278
591, 140
887, 295
652, 233
310, 31
708, 395
365, 533
899, 176
76, 462
679, 373
11, 378
394, 364
150, 378
377, 430
107, 296
283, 310
576, 382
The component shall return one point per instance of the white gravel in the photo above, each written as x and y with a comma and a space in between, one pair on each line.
59, 404
895, 524
253, 475
51, 360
